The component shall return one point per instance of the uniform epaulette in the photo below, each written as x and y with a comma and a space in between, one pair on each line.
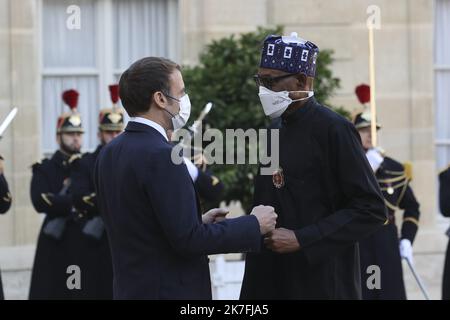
396, 178
37, 164
408, 170
394, 169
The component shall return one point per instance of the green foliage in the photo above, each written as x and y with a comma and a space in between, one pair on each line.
224, 76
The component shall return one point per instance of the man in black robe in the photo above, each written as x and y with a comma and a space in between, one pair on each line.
324, 190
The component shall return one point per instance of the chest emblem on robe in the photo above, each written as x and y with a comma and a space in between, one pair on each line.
278, 178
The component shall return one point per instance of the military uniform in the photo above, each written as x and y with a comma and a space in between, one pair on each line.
96, 258
5, 196
444, 204
58, 245
98, 275
382, 247
208, 187
5, 204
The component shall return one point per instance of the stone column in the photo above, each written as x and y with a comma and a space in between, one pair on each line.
19, 87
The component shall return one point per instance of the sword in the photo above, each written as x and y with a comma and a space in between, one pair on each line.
7, 121
195, 126
194, 130
418, 280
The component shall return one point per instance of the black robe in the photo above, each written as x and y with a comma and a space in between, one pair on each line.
382, 247
5, 204
330, 199
444, 204
53, 256
97, 280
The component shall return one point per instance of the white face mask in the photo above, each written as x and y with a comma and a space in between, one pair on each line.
180, 119
275, 103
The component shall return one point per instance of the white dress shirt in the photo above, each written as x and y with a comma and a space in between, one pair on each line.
152, 124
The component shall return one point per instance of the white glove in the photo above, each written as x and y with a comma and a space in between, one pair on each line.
193, 170
406, 250
375, 159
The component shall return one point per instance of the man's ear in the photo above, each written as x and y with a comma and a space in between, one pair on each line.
159, 99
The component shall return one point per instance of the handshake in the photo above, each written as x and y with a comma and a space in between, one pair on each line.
266, 216
279, 240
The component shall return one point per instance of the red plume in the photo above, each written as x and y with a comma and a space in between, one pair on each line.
70, 97
363, 93
114, 91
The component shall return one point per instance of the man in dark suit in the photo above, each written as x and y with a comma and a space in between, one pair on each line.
159, 239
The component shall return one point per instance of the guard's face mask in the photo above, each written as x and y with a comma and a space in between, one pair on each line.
180, 119
275, 103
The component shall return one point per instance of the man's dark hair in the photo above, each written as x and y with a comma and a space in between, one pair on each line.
141, 80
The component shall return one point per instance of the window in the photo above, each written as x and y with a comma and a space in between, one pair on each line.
442, 81
112, 35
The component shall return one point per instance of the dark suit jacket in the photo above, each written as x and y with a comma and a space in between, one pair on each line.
158, 242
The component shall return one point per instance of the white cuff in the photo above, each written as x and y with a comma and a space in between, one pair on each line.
193, 170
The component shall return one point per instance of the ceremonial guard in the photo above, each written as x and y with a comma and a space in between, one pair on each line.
5, 204
97, 265
324, 191
58, 245
444, 204
208, 187
383, 248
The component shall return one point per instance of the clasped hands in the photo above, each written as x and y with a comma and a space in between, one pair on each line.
278, 240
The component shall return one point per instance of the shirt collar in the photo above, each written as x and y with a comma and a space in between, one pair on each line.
152, 124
